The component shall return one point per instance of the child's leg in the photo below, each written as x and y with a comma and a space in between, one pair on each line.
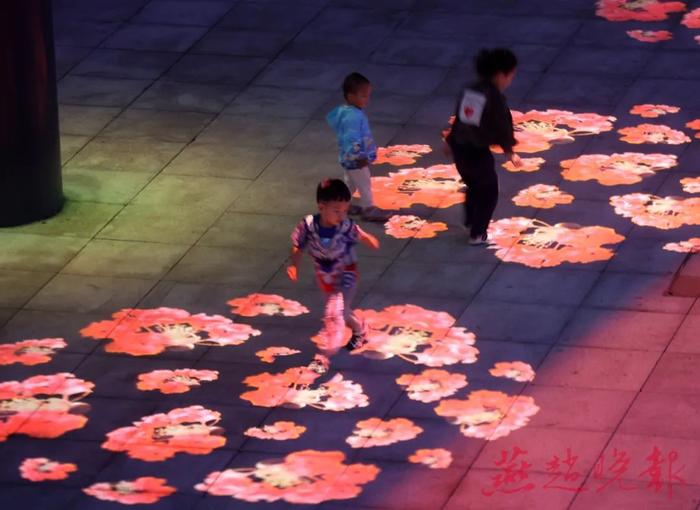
359, 179
334, 322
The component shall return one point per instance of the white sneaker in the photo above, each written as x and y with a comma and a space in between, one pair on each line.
478, 241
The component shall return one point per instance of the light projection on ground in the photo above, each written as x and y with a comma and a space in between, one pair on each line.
660, 212
692, 19
653, 133
692, 245
174, 381
653, 111
691, 184
437, 186
160, 436
488, 415
44, 406
143, 490
536, 244
516, 370
152, 331
527, 165
278, 431
304, 477
431, 384
271, 353
694, 124
650, 36
637, 10
377, 432
40, 469
30, 352
615, 169
542, 196
437, 458
399, 155
266, 304
408, 226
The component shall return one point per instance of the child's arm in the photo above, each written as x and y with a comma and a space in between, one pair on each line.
299, 236
294, 259
367, 239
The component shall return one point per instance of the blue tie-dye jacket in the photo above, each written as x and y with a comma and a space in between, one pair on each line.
355, 142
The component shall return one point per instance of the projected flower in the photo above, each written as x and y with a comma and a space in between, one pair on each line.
527, 165
147, 332
43, 406
30, 352
536, 244
650, 36
637, 10
437, 458
305, 477
697, 40
175, 381
615, 169
377, 432
432, 384
279, 431
488, 414
402, 227
692, 245
160, 436
516, 370
653, 133
266, 304
398, 155
435, 186
652, 211
268, 355
543, 196
143, 490
40, 469
652, 111
691, 184
692, 19
694, 125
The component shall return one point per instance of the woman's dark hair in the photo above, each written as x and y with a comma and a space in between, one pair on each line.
353, 82
332, 190
488, 63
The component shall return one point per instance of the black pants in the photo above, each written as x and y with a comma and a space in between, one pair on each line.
476, 166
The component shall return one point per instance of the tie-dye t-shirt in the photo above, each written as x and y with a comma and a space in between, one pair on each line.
355, 143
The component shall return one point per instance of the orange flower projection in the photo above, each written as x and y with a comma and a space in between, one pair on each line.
692, 19
536, 244
306, 477
695, 124
431, 384
43, 405
268, 355
543, 196
147, 332
653, 133
650, 36
652, 111
637, 10
175, 381
279, 431
527, 165
291, 388
266, 304
488, 414
692, 245
402, 227
437, 458
691, 184
615, 169
30, 352
435, 186
377, 432
398, 155
516, 370
39, 469
652, 211
143, 490
160, 436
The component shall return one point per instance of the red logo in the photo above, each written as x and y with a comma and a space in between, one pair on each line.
468, 112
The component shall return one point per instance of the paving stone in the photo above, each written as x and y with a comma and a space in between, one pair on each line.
84, 120
35, 252
221, 160
685, 339
125, 64
602, 61
106, 154
76, 219
67, 57
634, 494
17, 287
107, 10
160, 125
76, 32
95, 91
270, 16
102, 186
674, 373
304, 74
183, 12
418, 52
154, 37
222, 69
209, 192
564, 89
271, 232
649, 414
70, 144
342, 46
237, 130
265, 102
242, 43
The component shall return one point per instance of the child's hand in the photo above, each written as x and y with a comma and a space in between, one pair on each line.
372, 242
292, 273
515, 159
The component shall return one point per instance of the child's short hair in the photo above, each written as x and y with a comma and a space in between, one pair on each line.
491, 62
353, 82
332, 190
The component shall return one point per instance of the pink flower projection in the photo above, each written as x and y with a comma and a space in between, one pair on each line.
616, 169
377, 432
160, 436
437, 458
174, 381
40, 469
697, 40
488, 414
436, 186
534, 243
271, 353
30, 352
695, 124
432, 384
650, 36
660, 212
692, 19
542, 196
143, 490
279, 431
399, 155
527, 165
653, 133
637, 10
692, 245
152, 331
44, 406
691, 184
652, 111
516, 370
306, 477
407, 226
266, 304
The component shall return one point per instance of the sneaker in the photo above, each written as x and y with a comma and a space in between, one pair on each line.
355, 210
374, 214
356, 341
478, 241
319, 364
